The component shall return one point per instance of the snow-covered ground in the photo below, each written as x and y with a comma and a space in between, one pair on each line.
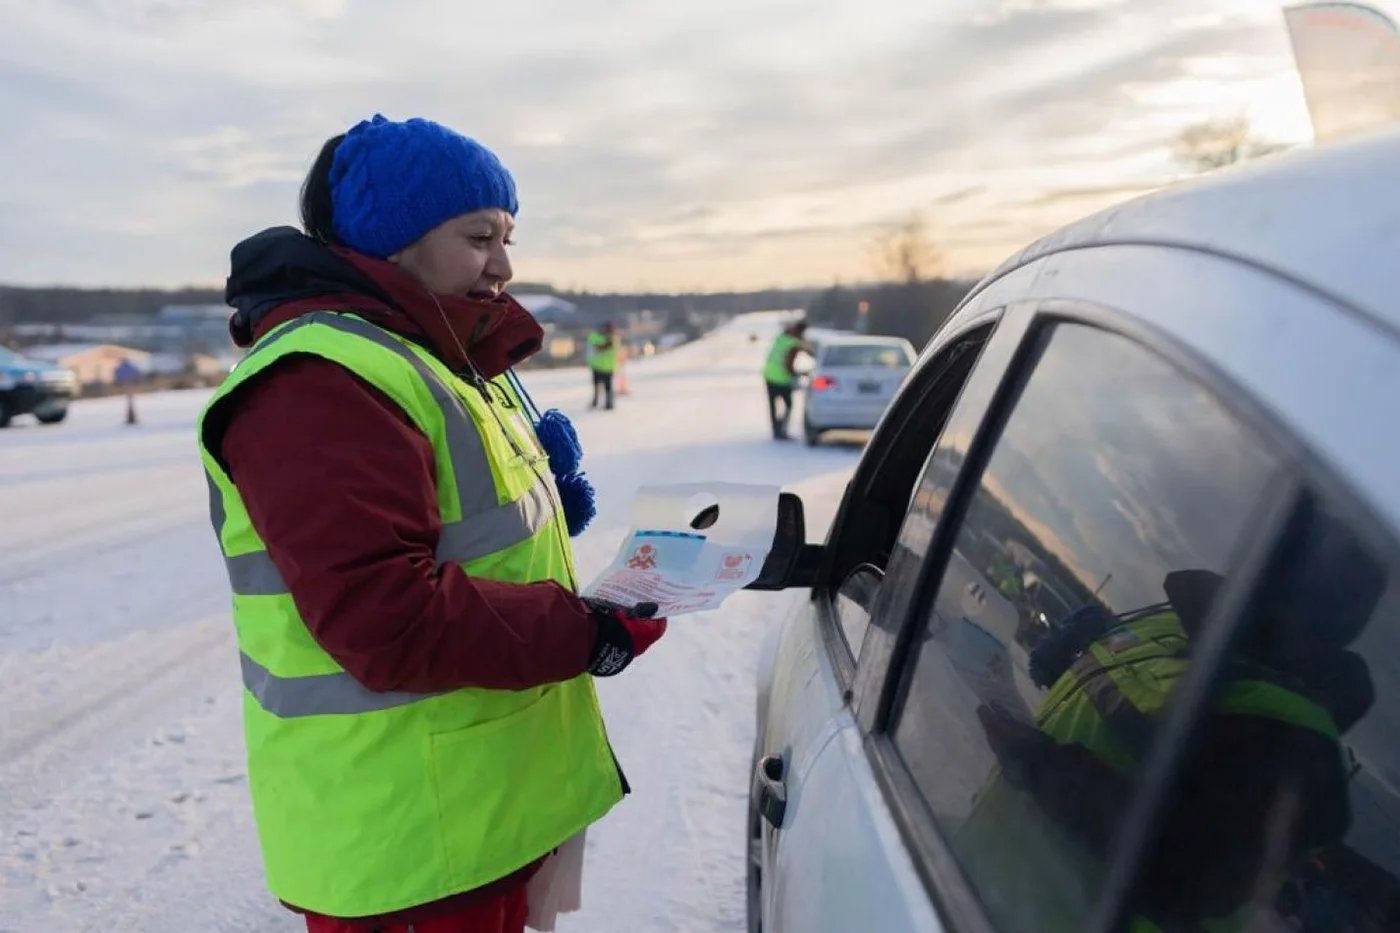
123, 803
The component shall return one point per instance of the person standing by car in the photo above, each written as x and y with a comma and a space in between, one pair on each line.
419, 709
602, 360
779, 373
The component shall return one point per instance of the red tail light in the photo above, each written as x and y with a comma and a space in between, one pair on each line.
820, 383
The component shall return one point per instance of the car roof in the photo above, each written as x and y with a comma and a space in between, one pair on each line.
1326, 217
1281, 277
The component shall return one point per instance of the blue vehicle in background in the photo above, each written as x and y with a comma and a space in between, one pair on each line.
34, 387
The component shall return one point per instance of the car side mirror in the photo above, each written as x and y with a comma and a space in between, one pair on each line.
791, 563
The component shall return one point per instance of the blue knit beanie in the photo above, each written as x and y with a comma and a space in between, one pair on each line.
392, 182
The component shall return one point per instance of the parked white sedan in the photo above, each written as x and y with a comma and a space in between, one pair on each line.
851, 383
1106, 632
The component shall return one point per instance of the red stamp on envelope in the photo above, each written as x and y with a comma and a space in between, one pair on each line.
643, 558
734, 567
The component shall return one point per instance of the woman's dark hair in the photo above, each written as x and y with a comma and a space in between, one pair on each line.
317, 213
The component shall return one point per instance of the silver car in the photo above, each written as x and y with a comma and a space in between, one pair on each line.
851, 383
1105, 634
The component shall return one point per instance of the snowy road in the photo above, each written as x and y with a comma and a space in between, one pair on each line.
122, 796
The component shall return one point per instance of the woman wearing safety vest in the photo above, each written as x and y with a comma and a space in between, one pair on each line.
419, 709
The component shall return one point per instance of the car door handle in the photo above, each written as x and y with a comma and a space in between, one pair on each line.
772, 793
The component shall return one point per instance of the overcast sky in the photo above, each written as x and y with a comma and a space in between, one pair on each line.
729, 144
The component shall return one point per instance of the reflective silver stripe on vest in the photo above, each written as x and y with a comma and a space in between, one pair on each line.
485, 527
1131, 727
497, 529
216, 507
254, 575
319, 694
249, 574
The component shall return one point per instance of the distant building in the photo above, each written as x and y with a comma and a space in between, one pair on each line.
176, 329
212, 367
195, 314
551, 309
561, 348
93, 363
196, 329
166, 364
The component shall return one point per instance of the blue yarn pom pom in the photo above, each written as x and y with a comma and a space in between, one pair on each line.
559, 440
577, 496
578, 500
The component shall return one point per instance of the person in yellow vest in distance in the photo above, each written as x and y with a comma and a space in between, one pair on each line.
419, 709
1066, 777
779, 373
603, 348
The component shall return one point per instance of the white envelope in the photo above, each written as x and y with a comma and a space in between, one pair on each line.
665, 560
557, 888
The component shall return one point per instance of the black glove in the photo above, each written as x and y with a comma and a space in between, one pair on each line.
623, 634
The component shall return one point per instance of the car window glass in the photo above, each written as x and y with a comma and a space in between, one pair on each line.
865, 531
887, 356
853, 603
1291, 804
1081, 570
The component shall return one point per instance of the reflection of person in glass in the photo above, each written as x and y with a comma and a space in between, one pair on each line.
1227, 844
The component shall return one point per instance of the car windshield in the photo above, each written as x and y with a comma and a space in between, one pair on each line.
886, 355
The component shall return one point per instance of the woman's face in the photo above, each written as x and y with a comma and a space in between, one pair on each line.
465, 256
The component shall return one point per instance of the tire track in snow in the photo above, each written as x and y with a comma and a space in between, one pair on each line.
63, 707
38, 560
123, 798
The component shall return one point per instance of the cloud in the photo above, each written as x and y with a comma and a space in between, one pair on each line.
1078, 195
643, 139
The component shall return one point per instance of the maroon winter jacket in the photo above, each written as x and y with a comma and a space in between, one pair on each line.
340, 485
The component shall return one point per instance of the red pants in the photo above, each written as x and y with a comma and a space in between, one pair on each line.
504, 914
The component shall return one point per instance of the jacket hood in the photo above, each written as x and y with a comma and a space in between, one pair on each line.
281, 265
280, 274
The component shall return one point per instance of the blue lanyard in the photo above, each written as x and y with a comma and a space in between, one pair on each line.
531, 408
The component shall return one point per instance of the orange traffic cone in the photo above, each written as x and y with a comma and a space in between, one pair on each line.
622, 387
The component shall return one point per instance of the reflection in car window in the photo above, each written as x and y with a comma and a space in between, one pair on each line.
1300, 783
1080, 573
887, 356
853, 603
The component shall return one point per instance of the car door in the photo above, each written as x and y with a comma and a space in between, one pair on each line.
1119, 473
826, 858
1083, 478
